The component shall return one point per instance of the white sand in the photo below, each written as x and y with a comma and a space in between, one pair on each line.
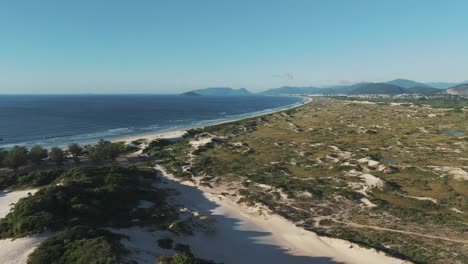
368, 203
371, 180
173, 135
16, 251
200, 142
272, 239
8, 198
422, 198
243, 235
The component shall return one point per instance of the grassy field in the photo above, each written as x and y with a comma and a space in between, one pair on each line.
334, 163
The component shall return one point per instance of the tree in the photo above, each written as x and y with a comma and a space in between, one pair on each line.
3, 154
104, 150
76, 150
112, 151
57, 156
95, 155
37, 154
16, 157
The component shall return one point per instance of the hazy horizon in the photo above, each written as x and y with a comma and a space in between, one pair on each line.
56, 47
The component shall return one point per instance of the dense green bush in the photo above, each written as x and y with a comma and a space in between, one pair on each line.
183, 256
3, 154
16, 157
37, 154
28, 180
156, 145
107, 150
123, 147
57, 156
80, 244
76, 151
94, 196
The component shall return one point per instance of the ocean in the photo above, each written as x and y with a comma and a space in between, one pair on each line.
57, 120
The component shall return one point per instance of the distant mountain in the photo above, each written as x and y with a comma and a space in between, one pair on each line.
421, 90
404, 83
461, 89
339, 89
222, 91
378, 88
444, 85
191, 93
293, 90
343, 89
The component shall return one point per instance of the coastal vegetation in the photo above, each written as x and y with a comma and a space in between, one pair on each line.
57, 156
79, 204
20, 156
390, 177
37, 154
385, 176
80, 244
92, 196
16, 157
183, 255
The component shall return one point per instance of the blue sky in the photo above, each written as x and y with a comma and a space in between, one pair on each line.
151, 46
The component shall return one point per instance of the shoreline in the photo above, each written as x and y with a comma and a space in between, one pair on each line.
164, 133
178, 133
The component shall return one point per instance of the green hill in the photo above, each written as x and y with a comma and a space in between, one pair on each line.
379, 88
339, 89
404, 83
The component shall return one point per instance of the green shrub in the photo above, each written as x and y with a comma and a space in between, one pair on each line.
157, 144
79, 245
57, 156
37, 154
94, 196
16, 157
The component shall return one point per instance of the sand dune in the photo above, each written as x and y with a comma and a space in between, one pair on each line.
8, 198
243, 235
16, 251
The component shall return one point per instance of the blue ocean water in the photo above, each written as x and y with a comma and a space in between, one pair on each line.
57, 120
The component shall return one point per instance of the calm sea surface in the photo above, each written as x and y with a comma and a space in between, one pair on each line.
57, 120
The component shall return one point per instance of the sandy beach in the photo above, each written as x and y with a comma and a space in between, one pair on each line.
233, 233
177, 134
240, 234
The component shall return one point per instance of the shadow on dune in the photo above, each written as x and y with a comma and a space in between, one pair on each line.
232, 241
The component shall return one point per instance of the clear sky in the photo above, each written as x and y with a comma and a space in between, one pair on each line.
151, 46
